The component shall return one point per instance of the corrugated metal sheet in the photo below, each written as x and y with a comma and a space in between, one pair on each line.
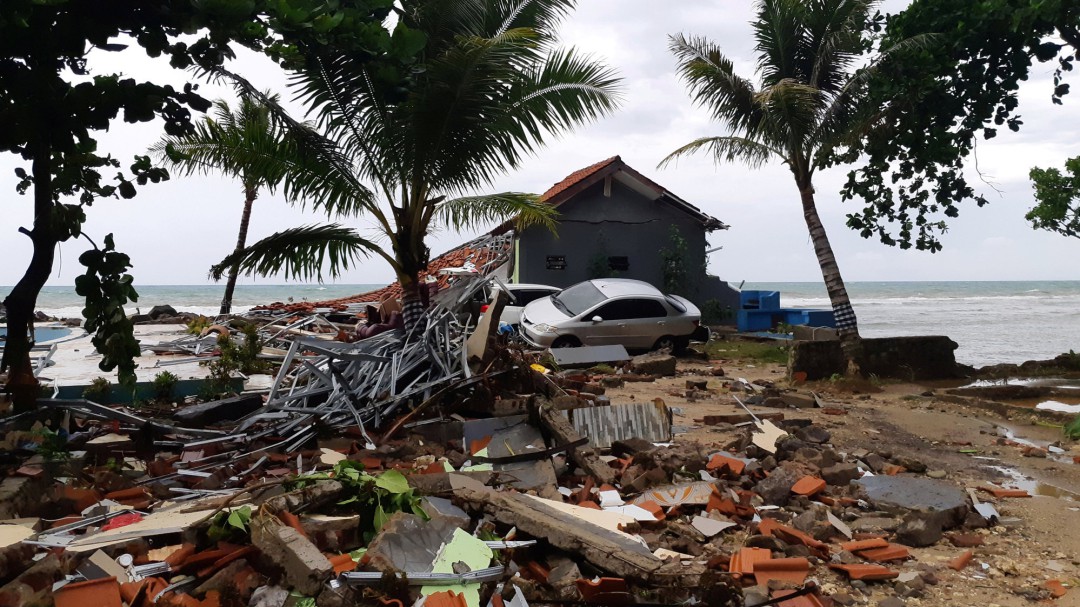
605, 425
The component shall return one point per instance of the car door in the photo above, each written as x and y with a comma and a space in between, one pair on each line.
611, 328
648, 322
631, 322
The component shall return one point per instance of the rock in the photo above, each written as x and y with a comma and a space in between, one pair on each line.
631, 446
717, 371
776, 488
892, 601
946, 503
842, 598
269, 596
876, 462
653, 364
939, 474
847, 558
872, 524
765, 541
813, 434
841, 474
919, 529
910, 464
159, 311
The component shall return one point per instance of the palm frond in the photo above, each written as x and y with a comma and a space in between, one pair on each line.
727, 149
301, 253
713, 84
476, 211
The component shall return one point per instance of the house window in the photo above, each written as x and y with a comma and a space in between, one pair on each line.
556, 262
618, 264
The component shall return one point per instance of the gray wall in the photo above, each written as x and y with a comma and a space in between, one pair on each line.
626, 224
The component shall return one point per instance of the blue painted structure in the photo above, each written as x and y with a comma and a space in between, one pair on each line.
761, 311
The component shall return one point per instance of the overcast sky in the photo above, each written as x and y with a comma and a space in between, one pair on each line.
175, 231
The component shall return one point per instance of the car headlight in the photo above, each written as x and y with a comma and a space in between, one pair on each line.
543, 328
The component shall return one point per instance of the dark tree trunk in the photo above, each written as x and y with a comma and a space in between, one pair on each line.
250, 194
846, 324
20, 303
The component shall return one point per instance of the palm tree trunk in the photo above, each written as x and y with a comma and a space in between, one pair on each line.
412, 304
846, 324
250, 193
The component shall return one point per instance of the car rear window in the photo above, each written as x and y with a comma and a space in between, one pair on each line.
675, 303
530, 295
578, 298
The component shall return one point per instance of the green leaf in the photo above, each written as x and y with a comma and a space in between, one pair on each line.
392, 481
380, 518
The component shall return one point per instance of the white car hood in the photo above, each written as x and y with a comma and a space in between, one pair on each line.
542, 311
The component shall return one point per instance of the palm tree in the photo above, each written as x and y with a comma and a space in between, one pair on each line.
806, 105
209, 148
488, 86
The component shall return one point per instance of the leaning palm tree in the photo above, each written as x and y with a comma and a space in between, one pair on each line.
209, 148
488, 87
806, 105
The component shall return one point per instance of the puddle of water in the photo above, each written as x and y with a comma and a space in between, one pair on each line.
1016, 480
1066, 384
1053, 405
1054, 452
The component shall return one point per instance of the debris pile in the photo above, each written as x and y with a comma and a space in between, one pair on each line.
445, 467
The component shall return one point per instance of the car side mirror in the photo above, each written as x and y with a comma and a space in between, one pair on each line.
597, 319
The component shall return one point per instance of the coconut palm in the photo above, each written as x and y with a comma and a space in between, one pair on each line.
210, 149
488, 87
805, 106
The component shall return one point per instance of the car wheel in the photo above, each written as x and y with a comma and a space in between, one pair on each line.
666, 342
565, 342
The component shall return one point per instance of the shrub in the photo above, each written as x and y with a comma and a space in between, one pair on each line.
98, 391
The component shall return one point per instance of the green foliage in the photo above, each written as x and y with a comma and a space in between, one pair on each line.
230, 525
196, 325
747, 350
98, 391
413, 166
375, 497
932, 103
52, 445
600, 266
714, 312
106, 285
1072, 429
675, 264
53, 103
164, 385
1059, 199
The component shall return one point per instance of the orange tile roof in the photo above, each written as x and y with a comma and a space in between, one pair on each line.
454, 258
577, 177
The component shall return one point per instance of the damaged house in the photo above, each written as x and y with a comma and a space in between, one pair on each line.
615, 222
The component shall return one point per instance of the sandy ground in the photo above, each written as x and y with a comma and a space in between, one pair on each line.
1015, 561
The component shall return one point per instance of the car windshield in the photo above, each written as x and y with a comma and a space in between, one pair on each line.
578, 298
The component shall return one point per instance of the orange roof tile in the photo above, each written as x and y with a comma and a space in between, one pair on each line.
577, 177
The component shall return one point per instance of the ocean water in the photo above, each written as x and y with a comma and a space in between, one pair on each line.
993, 322
196, 299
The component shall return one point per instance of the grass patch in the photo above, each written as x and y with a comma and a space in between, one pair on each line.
748, 350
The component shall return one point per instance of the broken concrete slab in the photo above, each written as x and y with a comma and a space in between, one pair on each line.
588, 356
654, 364
611, 551
900, 494
306, 568
409, 543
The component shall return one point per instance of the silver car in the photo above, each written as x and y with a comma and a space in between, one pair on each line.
611, 311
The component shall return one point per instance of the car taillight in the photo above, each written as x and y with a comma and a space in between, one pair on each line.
483, 308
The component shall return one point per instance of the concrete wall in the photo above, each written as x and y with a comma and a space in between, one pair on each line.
906, 358
625, 225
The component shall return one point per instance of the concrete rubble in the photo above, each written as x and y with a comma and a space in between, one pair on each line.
443, 468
